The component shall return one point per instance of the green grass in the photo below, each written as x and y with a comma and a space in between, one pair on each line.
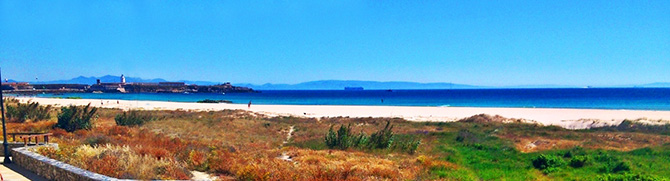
492, 158
482, 155
488, 158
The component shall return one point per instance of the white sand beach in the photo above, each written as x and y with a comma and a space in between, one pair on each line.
567, 118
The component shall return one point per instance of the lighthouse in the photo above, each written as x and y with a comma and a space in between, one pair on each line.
123, 79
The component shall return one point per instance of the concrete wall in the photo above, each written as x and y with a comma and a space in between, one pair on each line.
51, 169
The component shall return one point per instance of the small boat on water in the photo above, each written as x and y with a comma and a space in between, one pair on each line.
97, 92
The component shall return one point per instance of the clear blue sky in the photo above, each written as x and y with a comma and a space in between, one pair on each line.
578, 42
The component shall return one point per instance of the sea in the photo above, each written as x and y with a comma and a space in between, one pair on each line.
583, 98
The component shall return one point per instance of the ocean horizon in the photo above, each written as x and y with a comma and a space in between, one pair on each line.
579, 98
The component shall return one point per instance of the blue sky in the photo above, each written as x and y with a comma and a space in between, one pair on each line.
471, 42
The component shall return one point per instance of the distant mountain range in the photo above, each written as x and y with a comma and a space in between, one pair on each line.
341, 84
327, 84
112, 78
376, 85
656, 84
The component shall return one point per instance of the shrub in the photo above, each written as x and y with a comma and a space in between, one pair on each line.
133, 118
29, 111
623, 177
360, 140
97, 140
568, 154
10, 100
340, 139
74, 118
382, 138
578, 161
612, 164
343, 139
465, 136
548, 163
615, 167
118, 161
407, 144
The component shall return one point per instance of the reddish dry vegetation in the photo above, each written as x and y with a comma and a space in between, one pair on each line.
246, 146
231, 145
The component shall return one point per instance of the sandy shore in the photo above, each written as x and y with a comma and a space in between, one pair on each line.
568, 118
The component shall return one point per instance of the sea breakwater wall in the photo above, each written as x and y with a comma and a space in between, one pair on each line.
51, 169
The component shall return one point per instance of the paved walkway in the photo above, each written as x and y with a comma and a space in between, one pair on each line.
14, 172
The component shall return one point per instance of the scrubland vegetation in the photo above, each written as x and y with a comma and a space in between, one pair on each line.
247, 146
22, 112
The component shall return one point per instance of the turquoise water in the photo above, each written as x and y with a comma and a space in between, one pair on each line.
597, 98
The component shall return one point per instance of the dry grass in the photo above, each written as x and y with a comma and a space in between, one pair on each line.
117, 161
309, 164
247, 146
625, 141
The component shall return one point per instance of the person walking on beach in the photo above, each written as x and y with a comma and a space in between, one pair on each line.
249, 105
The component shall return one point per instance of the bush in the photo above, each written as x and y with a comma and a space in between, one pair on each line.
612, 164
97, 140
340, 139
382, 138
133, 118
465, 136
74, 118
10, 100
360, 140
615, 167
623, 177
343, 139
578, 161
408, 144
548, 163
29, 111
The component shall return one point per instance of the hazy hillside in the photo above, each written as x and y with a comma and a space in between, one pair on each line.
112, 78
331, 84
340, 84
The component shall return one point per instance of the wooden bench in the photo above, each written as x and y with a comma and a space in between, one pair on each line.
28, 137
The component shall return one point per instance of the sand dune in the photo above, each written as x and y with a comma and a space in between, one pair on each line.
568, 118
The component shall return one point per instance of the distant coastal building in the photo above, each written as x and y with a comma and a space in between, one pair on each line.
25, 87
16, 85
109, 86
121, 86
171, 83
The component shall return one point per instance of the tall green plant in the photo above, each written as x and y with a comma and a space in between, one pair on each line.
548, 163
341, 139
20, 112
74, 118
133, 118
382, 138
